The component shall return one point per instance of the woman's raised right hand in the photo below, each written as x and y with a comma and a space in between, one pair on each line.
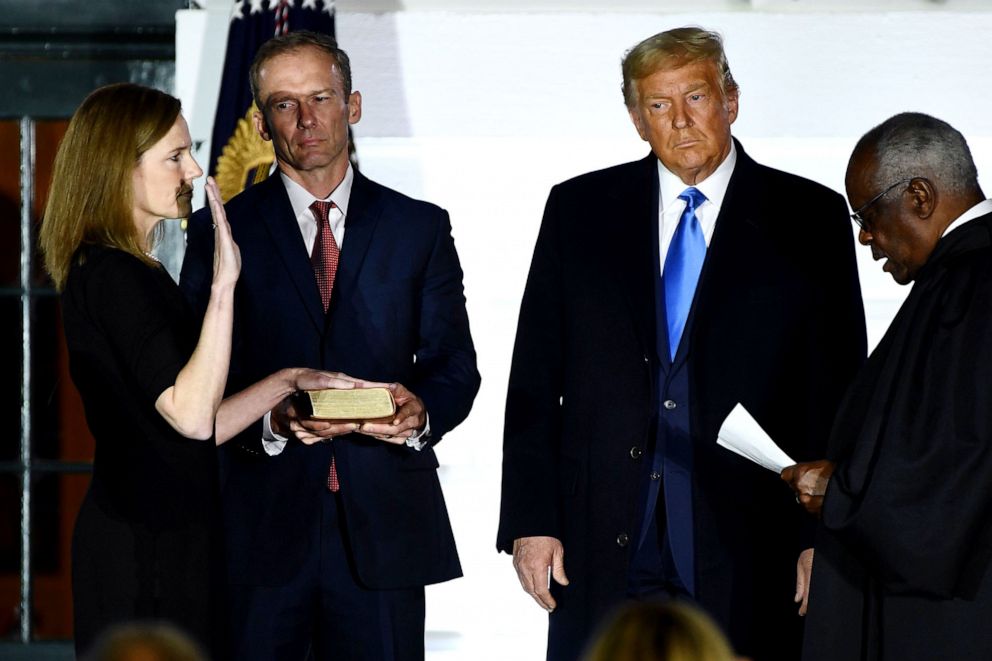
227, 256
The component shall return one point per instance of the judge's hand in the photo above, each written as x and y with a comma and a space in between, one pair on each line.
288, 420
804, 570
408, 419
532, 557
227, 256
809, 480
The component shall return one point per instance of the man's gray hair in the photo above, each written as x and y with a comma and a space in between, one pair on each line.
912, 144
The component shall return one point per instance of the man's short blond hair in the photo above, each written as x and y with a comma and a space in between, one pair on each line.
673, 49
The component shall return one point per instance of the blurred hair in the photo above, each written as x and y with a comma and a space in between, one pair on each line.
673, 49
649, 631
145, 641
912, 144
91, 198
292, 42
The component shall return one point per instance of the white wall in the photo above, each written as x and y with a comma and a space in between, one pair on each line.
482, 112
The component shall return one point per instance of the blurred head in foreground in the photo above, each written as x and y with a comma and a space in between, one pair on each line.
145, 642
648, 631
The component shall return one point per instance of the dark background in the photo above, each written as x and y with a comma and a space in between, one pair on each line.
52, 54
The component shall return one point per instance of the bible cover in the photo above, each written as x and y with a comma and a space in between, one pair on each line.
357, 404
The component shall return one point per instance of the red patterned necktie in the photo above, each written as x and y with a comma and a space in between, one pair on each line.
324, 260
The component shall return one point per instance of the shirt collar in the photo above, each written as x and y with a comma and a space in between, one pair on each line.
977, 211
301, 199
714, 187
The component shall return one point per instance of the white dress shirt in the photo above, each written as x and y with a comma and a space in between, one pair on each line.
301, 199
977, 211
670, 207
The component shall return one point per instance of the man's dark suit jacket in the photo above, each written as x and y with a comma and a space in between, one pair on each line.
397, 314
777, 325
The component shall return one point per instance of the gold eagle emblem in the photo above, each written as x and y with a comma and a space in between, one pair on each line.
245, 160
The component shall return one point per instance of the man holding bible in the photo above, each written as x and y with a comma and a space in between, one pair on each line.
333, 528
663, 292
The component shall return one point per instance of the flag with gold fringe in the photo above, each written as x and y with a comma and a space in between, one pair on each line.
238, 156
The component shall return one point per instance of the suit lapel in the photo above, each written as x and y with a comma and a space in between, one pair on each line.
364, 209
277, 214
735, 231
635, 199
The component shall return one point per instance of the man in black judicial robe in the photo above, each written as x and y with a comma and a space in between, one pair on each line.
902, 555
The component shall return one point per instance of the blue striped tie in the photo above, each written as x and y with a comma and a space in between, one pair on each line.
682, 267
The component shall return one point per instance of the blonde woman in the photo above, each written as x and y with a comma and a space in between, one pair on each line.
146, 543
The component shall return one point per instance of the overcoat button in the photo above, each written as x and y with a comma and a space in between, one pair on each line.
636, 452
669, 404
623, 539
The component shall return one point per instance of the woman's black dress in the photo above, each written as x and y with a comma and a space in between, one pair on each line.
146, 541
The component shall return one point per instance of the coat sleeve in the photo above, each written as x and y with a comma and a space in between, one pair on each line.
532, 425
836, 343
913, 496
445, 374
835, 338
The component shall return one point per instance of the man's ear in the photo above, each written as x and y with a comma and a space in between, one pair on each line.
354, 107
924, 197
261, 125
733, 96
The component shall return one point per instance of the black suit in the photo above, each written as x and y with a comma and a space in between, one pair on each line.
397, 314
777, 324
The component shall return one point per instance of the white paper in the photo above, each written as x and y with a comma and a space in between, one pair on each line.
742, 434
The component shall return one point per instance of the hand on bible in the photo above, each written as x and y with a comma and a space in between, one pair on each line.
408, 419
532, 558
288, 420
809, 480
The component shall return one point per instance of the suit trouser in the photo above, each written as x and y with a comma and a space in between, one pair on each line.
323, 612
652, 572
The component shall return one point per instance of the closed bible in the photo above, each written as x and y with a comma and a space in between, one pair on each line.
357, 404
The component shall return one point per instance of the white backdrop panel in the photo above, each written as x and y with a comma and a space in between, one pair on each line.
483, 112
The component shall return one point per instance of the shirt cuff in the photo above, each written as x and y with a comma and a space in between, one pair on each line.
272, 442
420, 439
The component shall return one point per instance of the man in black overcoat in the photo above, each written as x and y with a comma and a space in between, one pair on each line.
903, 554
663, 292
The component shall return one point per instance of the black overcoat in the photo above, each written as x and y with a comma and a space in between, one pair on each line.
778, 325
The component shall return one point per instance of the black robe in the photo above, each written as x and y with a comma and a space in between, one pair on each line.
902, 555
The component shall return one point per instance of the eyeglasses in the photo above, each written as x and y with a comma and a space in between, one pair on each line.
859, 219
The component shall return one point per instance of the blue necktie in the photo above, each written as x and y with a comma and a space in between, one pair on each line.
682, 266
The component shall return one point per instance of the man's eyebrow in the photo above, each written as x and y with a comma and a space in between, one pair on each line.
281, 95
694, 88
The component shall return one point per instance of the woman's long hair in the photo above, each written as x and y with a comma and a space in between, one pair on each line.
91, 199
